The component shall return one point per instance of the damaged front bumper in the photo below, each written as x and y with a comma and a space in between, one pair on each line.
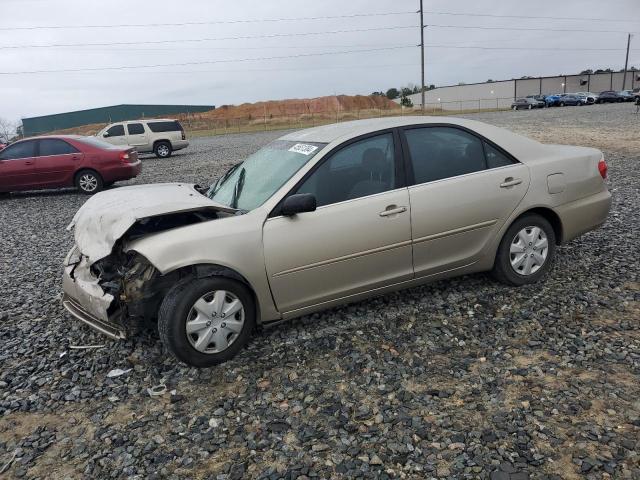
85, 299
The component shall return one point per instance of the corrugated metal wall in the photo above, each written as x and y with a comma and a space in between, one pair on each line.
501, 94
116, 113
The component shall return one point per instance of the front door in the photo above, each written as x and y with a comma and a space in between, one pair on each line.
115, 135
358, 239
56, 162
464, 190
17, 166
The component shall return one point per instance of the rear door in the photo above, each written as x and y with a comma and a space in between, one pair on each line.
464, 188
17, 166
56, 162
138, 136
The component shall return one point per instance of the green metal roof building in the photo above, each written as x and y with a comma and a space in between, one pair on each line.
115, 113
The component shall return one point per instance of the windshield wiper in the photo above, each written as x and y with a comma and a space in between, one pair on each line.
216, 186
237, 189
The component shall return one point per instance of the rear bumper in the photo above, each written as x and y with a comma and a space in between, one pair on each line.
584, 215
124, 171
179, 145
86, 301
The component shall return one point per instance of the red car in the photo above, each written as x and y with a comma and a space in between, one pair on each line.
65, 161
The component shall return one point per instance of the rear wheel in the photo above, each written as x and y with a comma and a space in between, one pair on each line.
562, 104
162, 149
529, 107
526, 251
89, 181
207, 321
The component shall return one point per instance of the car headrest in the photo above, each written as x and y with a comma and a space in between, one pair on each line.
373, 160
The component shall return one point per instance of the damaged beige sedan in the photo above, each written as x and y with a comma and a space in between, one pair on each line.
324, 217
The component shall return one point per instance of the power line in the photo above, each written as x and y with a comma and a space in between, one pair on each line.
192, 40
529, 29
215, 22
210, 62
532, 16
586, 50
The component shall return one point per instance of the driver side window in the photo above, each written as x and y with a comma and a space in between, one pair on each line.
360, 169
116, 131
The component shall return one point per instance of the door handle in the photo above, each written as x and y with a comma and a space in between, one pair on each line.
510, 182
392, 210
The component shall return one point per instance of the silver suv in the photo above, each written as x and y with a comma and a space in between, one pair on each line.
160, 136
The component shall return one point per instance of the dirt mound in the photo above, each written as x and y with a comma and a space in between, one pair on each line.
277, 108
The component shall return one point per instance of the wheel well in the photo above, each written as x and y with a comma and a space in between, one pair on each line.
211, 270
552, 217
75, 175
161, 141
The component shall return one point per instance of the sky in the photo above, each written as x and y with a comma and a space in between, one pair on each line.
326, 55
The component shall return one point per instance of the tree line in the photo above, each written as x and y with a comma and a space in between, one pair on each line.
403, 93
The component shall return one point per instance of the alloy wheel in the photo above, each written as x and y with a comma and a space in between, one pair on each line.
528, 250
163, 151
215, 321
88, 182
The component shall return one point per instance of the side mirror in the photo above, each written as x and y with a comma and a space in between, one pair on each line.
299, 203
105, 134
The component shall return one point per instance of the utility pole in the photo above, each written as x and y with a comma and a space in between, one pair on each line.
626, 62
422, 53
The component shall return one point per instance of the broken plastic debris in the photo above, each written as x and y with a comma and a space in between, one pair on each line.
157, 390
84, 347
63, 354
116, 372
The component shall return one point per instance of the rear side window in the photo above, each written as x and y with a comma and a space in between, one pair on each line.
171, 126
116, 131
135, 128
53, 146
19, 150
495, 158
443, 152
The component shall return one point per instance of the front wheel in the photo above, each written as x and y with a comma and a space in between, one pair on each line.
89, 182
207, 321
526, 251
529, 107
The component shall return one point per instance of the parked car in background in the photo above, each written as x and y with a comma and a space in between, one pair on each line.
323, 217
160, 136
627, 95
571, 99
526, 103
65, 161
589, 96
609, 96
537, 97
552, 100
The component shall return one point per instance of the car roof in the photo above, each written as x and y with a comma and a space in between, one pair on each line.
519, 146
59, 137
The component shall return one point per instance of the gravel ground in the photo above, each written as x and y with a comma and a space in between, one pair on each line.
464, 378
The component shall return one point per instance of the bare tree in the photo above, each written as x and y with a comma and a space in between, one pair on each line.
7, 129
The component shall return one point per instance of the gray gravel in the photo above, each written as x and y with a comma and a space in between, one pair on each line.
463, 378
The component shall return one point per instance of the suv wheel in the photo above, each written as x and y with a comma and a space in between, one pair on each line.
162, 149
89, 182
526, 251
207, 321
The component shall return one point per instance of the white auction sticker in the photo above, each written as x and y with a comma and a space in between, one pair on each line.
303, 148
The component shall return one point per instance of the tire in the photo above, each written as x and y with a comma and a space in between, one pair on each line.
88, 182
162, 149
177, 309
529, 107
504, 271
514, 108
562, 104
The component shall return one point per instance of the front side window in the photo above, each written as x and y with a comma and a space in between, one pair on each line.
443, 152
116, 131
53, 146
135, 129
19, 150
360, 169
249, 184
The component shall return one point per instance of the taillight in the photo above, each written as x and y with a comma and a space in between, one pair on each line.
128, 156
602, 168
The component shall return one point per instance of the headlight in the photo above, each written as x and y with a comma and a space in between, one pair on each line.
73, 256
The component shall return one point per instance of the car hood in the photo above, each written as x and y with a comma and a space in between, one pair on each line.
107, 216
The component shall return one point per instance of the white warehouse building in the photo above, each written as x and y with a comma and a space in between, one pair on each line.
500, 94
